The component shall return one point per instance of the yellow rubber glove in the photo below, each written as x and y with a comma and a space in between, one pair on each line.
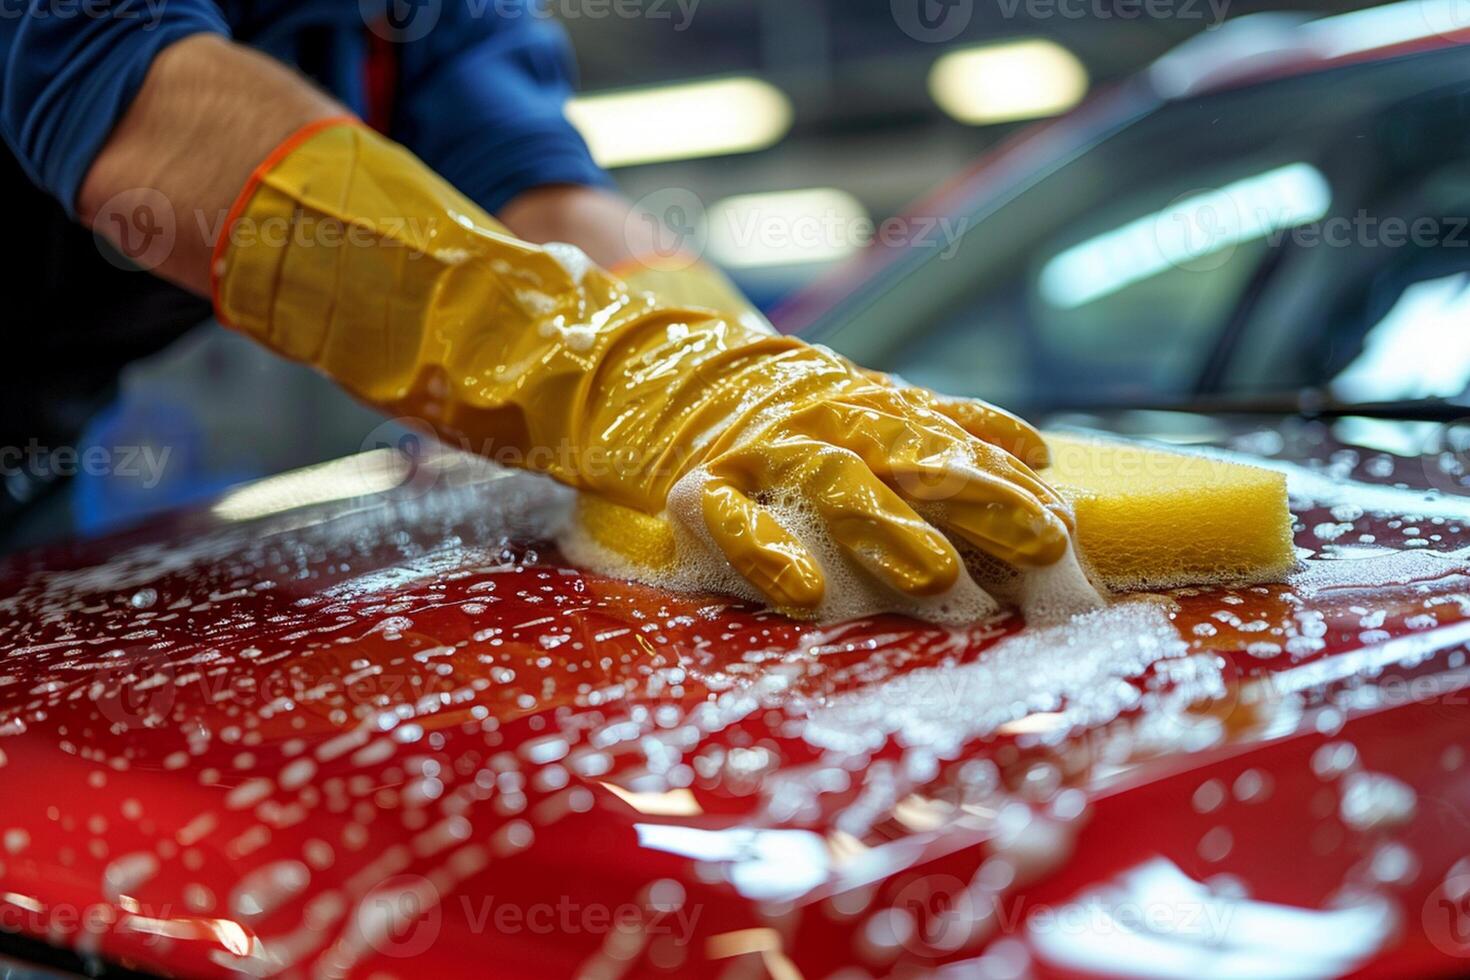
346, 252
683, 280
686, 281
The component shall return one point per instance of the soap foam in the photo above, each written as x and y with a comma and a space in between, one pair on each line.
1079, 668
572, 259
1048, 595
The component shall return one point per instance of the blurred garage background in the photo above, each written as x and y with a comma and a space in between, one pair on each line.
780, 136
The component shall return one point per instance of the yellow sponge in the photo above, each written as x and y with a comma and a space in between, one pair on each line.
644, 540
1146, 517
1151, 518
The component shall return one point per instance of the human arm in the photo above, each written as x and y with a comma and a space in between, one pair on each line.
208, 113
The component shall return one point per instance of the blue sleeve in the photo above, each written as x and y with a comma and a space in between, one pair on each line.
480, 100
68, 73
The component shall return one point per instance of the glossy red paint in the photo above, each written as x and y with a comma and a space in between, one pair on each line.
392, 734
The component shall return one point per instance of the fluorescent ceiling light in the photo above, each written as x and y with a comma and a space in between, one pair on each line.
683, 121
1187, 231
1382, 27
1002, 82
818, 224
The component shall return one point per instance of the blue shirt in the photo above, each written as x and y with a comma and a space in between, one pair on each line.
474, 87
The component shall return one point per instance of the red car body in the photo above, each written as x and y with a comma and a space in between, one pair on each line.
389, 734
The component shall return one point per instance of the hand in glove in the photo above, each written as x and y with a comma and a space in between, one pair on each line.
347, 253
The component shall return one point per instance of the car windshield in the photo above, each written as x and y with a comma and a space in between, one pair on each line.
1306, 232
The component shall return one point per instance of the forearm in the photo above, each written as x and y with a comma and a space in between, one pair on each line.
208, 114
598, 221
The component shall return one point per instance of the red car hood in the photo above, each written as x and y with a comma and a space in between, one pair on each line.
390, 734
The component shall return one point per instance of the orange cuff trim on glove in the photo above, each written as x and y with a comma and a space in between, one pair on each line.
644, 261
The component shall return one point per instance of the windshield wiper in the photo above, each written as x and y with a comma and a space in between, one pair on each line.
1311, 403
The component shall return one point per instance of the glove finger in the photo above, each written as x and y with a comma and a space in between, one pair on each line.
962, 476
926, 458
997, 427
999, 517
760, 549
996, 505
868, 520
992, 500
1025, 537
987, 422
